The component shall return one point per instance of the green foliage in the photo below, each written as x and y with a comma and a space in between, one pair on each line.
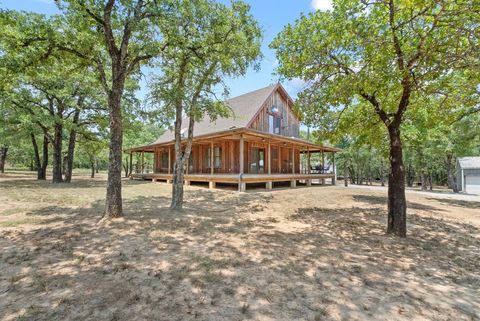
207, 42
373, 68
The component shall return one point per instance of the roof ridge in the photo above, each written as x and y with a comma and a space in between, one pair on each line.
252, 92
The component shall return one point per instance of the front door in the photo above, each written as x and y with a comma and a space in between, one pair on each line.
257, 160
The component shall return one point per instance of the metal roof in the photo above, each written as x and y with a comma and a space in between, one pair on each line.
244, 108
469, 162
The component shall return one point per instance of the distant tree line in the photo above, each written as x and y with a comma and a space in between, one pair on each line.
69, 82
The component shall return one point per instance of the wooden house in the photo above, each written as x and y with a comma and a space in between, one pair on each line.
260, 143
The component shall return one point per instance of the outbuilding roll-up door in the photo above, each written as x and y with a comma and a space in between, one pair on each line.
472, 184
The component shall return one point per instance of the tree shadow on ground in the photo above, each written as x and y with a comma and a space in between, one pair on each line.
25, 183
382, 200
454, 202
223, 257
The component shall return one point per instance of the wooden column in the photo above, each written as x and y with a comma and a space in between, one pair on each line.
143, 162
241, 185
293, 160
169, 160
308, 161
241, 158
334, 179
188, 163
269, 155
323, 162
309, 181
323, 167
211, 158
279, 159
131, 164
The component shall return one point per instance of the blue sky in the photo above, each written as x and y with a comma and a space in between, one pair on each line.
272, 16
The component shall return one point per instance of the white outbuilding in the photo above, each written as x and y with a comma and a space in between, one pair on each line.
468, 174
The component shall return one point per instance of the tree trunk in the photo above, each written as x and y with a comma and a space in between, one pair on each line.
71, 147
36, 156
3, 158
40, 165
181, 160
113, 201
126, 167
397, 204
351, 171
411, 175
92, 174
423, 180
345, 179
177, 182
177, 185
42, 173
382, 173
57, 154
430, 181
451, 179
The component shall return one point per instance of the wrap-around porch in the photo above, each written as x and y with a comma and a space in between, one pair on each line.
241, 157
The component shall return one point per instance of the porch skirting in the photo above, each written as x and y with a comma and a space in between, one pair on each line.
241, 180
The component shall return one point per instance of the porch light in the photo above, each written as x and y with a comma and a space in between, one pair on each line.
274, 109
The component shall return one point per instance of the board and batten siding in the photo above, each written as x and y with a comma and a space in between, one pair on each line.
290, 124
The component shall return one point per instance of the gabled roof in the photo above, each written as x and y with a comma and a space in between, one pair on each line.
244, 108
469, 162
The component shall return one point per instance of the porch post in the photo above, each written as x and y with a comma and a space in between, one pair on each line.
211, 157
169, 160
293, 182
269, 185
323, 161
188, 163
323, 167
308, 160
241, 158
143, 162
334, 179
279, 147
241, 184
293, 160
130, 165
269, 155
309, 181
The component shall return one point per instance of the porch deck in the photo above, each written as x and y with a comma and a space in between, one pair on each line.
212, 179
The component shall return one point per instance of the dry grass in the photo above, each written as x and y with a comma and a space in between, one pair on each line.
315, 253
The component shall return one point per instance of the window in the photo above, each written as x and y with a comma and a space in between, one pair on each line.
164, 160
274, 123
278, 124
217, 157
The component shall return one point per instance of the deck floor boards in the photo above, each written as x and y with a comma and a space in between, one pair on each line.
235, 178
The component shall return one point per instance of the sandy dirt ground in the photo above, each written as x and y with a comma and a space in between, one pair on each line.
317, 253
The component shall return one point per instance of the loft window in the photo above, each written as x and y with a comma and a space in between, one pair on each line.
274, 123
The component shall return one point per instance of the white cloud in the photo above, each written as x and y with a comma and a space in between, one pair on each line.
322, 5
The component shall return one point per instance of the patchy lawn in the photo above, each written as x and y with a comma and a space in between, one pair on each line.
316, 253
